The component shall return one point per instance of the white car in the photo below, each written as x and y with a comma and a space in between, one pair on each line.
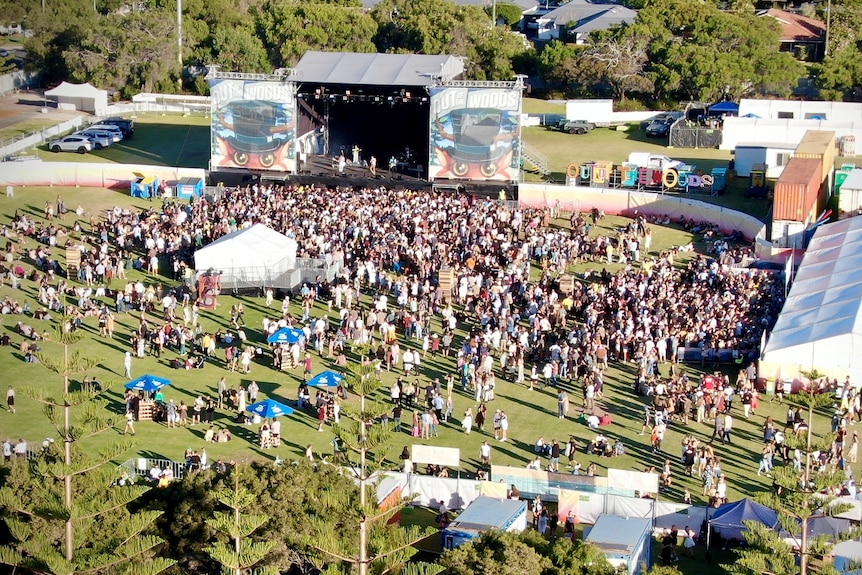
100, 139
80, 144
118, 133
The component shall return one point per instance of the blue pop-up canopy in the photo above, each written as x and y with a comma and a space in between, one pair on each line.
285, 335
269, 408
148, 383
326, 379
730, 108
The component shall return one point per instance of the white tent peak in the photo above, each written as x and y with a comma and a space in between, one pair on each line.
70, 89
820, 326
250, 257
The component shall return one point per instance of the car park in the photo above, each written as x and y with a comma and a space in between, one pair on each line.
99, 138
73, 143
126, 125
117, 132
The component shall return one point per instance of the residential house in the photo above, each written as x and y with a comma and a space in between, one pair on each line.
574, 21
804, 37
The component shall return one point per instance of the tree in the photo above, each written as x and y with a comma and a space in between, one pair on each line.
239, 555
839, 76
621, 61
290, 28
496, 552
509, 13
799, 496
86, 507
378, 548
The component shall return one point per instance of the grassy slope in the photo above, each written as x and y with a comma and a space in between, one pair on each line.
532, 414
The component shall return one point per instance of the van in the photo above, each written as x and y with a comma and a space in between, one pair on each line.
124, 124
117, 133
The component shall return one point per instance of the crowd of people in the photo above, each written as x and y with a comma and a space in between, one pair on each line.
537, 331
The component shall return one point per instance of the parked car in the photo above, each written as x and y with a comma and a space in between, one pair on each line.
127, 126
660, 128
117, 132
97, 137
663, 117
74, 143
576, 126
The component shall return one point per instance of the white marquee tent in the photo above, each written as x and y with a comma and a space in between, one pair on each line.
83, 97
820, 326
256, 256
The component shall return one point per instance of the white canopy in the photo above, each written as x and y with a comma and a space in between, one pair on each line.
820, 326
84, 97
256, 256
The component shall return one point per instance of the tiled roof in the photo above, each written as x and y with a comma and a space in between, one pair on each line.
796, 27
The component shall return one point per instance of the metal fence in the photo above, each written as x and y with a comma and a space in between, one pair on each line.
37, 137
141, 466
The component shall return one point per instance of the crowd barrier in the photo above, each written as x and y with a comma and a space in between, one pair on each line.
631, 202
116, 176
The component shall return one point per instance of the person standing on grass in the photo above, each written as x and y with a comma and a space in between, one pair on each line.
10, 399
130, 423
127, 365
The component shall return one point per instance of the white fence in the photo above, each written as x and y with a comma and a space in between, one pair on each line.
37, 137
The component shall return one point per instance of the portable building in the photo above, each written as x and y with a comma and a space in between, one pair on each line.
624, 541
190, 188
144, 186
774, 155
820, 145
850, 199
797, 191
483, 515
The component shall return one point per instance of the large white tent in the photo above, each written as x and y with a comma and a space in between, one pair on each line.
256, 256
820, 326
83, 97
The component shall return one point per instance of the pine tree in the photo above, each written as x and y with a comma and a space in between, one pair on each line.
799, 497
374, 546
63, 512
240, 555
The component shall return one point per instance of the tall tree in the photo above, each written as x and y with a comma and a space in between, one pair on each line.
839, 76
72, 488
240, 554
378, 547
800, 496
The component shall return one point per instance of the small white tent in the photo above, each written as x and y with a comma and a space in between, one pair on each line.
820, 326
256, 256
84, 97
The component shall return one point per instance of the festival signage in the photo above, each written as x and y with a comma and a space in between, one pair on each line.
475, 134
252, 125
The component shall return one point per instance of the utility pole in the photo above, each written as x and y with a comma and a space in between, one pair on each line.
493, 14
179, 31
828, 21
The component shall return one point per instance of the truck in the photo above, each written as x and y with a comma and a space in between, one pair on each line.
575, 126
655, 161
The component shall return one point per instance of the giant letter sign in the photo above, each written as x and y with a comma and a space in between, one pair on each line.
252, 125
475, 134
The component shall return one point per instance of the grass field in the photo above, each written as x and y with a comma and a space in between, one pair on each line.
25, 127
169, 140
532, 413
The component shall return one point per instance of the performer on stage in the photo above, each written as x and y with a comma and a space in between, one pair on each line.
393, 163
342, 162
372, 164
356, 150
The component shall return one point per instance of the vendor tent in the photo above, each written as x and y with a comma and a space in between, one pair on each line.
820, 325
724, 108
847, 555
84, 97
483, 515
728, 520
831, 527
249, 258
624, 541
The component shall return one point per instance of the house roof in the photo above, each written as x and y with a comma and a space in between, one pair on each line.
585, 16
524, 5
796, 27
376, 69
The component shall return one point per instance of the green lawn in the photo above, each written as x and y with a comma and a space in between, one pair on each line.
532, 413
169, 140
537, 106
25, 127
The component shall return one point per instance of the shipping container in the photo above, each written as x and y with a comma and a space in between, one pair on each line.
787, 234
850, 200
797, 191
820, 145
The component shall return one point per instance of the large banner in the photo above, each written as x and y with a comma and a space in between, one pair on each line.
475, 134
253, 124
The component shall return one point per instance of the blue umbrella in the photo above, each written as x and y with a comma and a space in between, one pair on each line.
148, 383
326, 379
269, 408
286, 335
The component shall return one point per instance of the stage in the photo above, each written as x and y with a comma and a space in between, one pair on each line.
323, 171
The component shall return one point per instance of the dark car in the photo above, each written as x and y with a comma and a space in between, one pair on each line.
664, 116
660, 128
125, 125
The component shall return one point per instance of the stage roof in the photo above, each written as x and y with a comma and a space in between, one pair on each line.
376, 69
